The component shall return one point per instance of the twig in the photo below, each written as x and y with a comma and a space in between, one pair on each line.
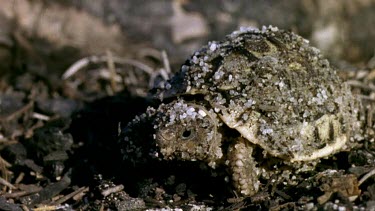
167, 66
40, 116
6, 183
368, 175
6, 141
282, 194
150, 52
25, 208
359, 84
21, 193
48, 208
287, 205
370, 114
97, 59
135, 63
25, 44
111, 70
18, 112
70, 195
4, 162
365, 97
30, 131
20, 178
74, 68
115, 189
153, 202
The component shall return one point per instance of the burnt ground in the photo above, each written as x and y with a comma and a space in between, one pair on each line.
73, 74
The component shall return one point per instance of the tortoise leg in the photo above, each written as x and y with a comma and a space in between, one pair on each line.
245, 173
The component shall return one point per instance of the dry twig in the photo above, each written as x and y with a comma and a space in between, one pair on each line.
7, 184
80, 64
115, 189
366, 176
112, 71
19, 112
70, 195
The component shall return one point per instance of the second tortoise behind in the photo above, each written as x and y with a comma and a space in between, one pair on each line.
263, 88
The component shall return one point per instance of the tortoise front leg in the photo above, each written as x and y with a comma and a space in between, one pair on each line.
245, 173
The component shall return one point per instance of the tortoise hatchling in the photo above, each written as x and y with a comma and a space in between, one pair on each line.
263, 91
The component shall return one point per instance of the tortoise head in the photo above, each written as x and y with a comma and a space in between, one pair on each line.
187, 131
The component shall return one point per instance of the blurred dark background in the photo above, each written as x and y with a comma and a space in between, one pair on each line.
64, 31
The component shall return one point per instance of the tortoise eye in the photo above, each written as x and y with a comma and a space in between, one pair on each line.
187, 133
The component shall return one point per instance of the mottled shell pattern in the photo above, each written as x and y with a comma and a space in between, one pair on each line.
272, 87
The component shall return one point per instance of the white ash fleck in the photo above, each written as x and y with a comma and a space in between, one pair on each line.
306, 41
183, 116
230, 77
213, 46
180, 111
281, 84
264, 128
244, 30
233, 93
201, 63
165, 209
202, 113
210, 135
191, 112
264, 29
315, 50
172, 118
245, 116
195, 60
320, 98
339, 100
249, 29
297, 146
249, 103
184, 68
154, 154
273, 28
218, 74
304, 125
267, 131
220, 100
232, 103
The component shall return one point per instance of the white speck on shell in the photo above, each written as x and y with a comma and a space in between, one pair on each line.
202, 113
230, 77
249, 103
213, 46
239, 163
218, 74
